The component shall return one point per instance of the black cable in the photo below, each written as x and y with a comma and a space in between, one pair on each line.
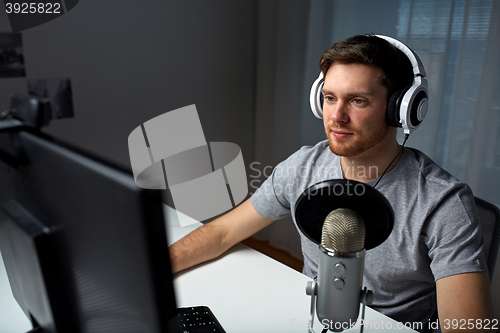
402, 146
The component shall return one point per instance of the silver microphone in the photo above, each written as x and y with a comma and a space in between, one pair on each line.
340, 269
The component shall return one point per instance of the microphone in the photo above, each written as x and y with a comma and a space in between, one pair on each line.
340, 269
345, 218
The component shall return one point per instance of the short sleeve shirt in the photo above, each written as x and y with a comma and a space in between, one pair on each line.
436, 229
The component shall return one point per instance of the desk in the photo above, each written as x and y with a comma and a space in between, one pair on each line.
12, 318
246, 290
251, 292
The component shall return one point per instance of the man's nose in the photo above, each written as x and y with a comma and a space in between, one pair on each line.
338, 112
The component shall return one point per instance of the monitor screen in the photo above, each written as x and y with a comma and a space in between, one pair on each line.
84, 247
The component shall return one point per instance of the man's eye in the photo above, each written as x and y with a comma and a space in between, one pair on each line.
358, 101
329, 99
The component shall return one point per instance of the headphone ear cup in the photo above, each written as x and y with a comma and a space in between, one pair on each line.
418, 108
392, 110
316, 97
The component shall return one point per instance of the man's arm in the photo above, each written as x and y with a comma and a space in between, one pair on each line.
464, 301
216, 237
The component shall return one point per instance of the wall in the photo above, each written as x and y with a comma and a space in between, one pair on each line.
130, 61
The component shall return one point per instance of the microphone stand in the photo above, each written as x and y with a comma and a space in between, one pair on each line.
312, 290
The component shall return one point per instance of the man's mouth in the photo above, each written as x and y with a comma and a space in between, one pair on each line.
340, 134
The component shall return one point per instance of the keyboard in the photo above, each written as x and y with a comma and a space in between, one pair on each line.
198, 319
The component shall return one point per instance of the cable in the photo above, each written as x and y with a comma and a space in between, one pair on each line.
402, 146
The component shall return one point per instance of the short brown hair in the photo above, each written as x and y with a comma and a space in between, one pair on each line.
373, 51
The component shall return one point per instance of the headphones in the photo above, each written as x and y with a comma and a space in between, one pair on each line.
406, 107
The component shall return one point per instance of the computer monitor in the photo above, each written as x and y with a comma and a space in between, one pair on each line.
84, 247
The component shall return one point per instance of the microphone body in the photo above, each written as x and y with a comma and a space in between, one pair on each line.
340, 278
344, 226
340, 269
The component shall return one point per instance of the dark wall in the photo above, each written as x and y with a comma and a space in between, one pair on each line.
132, 60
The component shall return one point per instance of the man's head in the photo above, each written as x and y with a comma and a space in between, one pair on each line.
360, 73
373, 51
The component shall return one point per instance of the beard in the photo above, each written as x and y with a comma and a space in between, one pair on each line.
359, 143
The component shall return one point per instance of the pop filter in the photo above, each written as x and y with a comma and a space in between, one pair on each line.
315, 203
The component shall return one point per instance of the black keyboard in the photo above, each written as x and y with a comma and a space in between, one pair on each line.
198, 319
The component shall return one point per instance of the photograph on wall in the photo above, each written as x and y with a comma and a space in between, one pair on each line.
11, 55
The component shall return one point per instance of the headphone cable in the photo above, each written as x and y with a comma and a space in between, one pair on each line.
402, 146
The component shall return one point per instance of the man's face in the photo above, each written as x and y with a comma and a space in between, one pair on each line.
354, 109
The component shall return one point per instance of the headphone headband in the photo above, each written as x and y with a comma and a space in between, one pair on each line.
418, 67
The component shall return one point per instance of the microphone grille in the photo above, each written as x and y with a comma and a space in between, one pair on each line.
343, 231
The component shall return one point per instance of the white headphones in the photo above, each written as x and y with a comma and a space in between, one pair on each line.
406, 108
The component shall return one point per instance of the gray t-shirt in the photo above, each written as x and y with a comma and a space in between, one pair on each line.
436, 229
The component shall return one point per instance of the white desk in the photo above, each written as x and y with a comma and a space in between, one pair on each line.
12, 318
250, 292
246, 290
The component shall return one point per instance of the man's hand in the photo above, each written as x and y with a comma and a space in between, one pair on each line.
214, 238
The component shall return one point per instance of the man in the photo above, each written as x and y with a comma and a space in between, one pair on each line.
433, 255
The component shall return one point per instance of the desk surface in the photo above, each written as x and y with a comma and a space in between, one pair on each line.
249, 292
246, 290
12, 318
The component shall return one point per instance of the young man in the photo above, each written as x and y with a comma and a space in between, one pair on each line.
433, 256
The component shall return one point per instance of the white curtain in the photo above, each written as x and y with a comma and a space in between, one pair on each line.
459, 44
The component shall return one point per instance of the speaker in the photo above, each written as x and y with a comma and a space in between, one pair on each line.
406, 108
